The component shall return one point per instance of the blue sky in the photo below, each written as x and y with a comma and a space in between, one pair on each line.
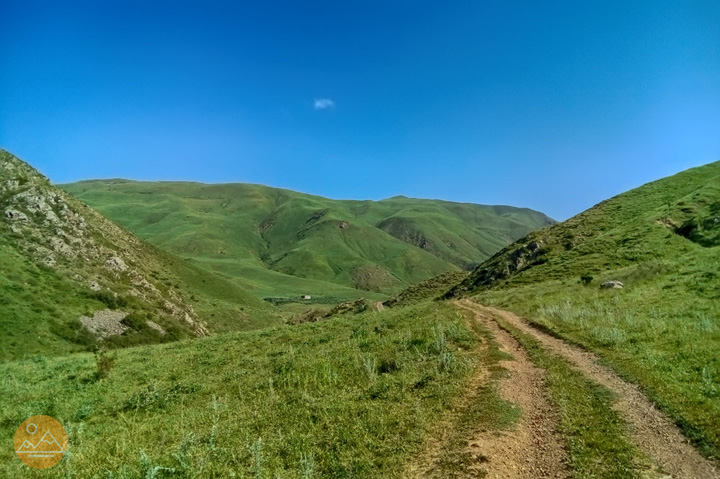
550, 105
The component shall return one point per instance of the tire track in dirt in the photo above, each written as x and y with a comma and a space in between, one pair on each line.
652, 431
426, 464
532, 448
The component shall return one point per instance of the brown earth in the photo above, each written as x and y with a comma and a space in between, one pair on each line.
531, 448
652, 431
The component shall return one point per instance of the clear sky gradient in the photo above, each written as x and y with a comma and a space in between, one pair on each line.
550, 105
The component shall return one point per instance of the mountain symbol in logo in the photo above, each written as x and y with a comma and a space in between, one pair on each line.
46, 445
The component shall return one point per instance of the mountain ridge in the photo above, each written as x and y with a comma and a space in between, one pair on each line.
374, 246
635, 280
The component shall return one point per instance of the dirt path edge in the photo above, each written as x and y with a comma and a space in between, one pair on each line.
651, 430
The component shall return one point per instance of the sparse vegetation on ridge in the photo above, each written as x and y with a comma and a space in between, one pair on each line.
60, 260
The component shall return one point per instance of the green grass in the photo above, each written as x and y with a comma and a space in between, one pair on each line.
281, 243
31, 291
662, 330
347, 397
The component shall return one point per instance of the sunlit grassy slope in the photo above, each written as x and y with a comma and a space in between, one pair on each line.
662, 330
347, 397
283, 243
57, 263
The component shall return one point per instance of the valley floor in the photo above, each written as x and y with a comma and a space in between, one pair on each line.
429, 390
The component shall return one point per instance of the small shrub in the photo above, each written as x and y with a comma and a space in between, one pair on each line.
136, 322
153, 397
586, 279
74, 331
104, 364
388, 363
110, 299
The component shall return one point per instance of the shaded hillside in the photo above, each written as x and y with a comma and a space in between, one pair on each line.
662, 328
286, 243
61, 261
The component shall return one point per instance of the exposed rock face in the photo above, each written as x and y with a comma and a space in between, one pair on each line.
116, 264
612, 284
57, 231
105, 323
15, 215
156, 327
504, 264
501, 266
356, 306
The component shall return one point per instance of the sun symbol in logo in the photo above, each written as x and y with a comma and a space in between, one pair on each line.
32, 426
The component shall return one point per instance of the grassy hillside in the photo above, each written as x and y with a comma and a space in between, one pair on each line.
60, 260
283, 243
662, 330
348, 397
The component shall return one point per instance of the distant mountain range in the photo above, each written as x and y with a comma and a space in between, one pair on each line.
277, 242
72, 279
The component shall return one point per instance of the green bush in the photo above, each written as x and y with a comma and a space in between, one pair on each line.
111, 300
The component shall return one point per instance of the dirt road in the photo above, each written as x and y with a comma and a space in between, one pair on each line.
651, 430
532, 448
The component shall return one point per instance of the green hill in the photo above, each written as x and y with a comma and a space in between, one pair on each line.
282, 243
662, 329
61, 261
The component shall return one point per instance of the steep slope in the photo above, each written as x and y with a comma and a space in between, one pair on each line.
662, 328
661, 221
283, 243
69, 277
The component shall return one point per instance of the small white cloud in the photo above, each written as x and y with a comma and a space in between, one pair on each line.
323, 104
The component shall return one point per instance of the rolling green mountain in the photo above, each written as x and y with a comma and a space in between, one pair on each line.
70, 278
662, 328
282, 243
664, 222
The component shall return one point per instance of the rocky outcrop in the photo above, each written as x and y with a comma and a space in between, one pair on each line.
504, 264
104, 324
57, 231
611, 284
